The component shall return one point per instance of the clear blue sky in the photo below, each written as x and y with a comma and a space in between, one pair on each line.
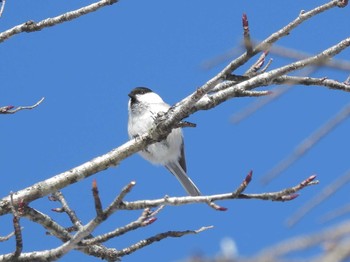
85, 69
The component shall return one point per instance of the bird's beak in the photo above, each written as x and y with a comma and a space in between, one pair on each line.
132, 96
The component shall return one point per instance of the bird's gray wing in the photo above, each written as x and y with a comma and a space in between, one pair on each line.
176, 169
182, 160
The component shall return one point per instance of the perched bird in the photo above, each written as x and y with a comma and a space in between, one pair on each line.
144, 106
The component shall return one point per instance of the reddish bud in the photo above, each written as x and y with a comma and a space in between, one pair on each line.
311, 178
308, 180
249, 177
150, 221
222, 209
94, 184
245, 20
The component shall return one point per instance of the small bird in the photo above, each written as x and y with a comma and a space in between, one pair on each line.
144, 106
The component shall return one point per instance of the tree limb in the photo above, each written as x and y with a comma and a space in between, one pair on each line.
31, 26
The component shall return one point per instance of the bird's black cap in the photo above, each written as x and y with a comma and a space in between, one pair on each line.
139, 91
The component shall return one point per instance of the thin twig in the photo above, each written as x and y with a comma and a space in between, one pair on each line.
118, 201
62, 233
146, 218
5, 238
244, 184
158, 237
300, 80
65, 208
10, 110
3, 2
254, 69
97, 200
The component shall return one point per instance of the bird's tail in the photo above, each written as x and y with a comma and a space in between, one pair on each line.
186, 182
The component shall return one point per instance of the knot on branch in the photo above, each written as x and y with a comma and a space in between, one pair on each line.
111, 2
30, 26
162, 128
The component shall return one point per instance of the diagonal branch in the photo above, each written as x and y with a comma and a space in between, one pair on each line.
3, 2
32, 26
159, 237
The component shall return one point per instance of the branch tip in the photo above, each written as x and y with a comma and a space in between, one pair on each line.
249, 177
216, 207
309, 181
245, 21
203, 229
94, 183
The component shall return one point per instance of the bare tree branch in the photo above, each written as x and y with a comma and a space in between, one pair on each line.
268, 42
5, 238
158, 237
283, 195
147, 217
331, 84
31, 26
65, 208
12, 109
61, 233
